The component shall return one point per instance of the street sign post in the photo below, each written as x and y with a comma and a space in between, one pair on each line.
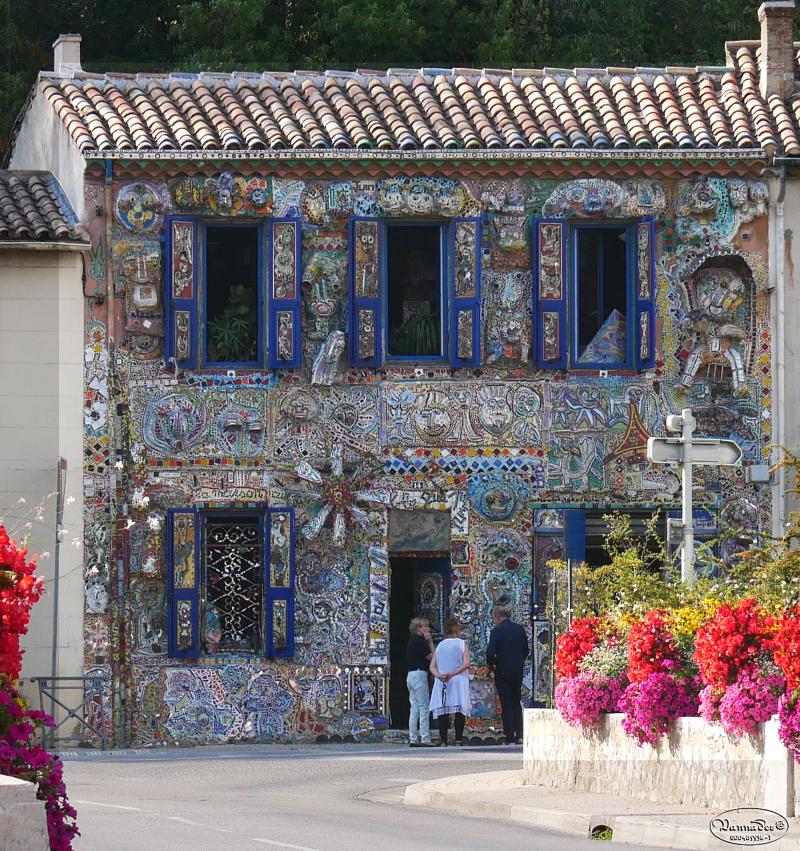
687, 451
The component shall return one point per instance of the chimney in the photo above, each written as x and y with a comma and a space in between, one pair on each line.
777, 47
67, 53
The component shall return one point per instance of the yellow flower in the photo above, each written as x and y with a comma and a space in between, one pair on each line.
688, 619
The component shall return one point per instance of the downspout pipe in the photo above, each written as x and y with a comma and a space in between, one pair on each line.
779, 382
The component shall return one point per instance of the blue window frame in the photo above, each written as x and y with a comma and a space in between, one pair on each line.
378, 249
594, 294
231, 581
271, 309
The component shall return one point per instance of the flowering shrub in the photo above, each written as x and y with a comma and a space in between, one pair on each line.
584, 698
652, 647
789, 721
19, 590
710, 698
21, 756
607, 660
752, 699
787, 647
573, 645
652, 704
730, 640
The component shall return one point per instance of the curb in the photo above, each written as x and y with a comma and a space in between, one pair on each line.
448, 794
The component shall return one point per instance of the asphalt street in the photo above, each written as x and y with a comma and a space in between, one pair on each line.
302, 798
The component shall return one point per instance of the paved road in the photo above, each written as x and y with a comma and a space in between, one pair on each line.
301, 798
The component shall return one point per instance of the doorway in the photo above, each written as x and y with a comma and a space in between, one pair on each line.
420, 587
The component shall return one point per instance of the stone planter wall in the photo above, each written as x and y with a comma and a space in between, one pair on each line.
697, 764
23, 822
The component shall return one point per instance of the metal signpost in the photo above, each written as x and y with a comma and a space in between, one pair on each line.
687, 451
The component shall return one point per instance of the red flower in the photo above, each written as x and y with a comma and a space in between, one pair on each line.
572, 646
730, 640
652, 648
787, 647
19, 590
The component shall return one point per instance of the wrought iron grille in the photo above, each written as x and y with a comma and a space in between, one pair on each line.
234, 594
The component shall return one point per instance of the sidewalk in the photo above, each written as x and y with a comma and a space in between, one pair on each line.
501, 795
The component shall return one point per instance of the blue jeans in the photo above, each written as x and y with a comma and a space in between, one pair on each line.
419, 698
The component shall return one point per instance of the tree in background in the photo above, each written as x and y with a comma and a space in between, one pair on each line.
164, 35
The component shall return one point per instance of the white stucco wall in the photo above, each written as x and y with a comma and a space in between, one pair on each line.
43, 144
41, 419
696, 764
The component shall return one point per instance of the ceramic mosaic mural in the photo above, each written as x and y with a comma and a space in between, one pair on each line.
315, 458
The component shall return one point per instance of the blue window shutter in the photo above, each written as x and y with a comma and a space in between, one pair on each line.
575, 534
285, 278
550, 283
366, 263
279, 582
645, 292
183, 548
180, 296
465, 292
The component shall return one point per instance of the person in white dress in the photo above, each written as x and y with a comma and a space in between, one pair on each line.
450, 667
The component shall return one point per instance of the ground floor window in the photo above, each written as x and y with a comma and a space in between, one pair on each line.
233, 590
231, 581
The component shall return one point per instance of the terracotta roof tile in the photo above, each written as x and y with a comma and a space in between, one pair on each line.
33, 207
430, 108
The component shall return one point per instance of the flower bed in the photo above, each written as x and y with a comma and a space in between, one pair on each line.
735, 665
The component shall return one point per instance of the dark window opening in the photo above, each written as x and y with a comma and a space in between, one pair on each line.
414, 291
232, 294
602, 295
233, 611
597, 529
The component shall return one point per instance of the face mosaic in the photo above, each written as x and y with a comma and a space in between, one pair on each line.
339, 449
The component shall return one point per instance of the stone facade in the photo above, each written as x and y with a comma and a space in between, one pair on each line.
500, 449
697, 764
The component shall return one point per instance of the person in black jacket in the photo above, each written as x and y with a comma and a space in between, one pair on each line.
506, 655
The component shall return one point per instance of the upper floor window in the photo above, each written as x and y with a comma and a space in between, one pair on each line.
594, 294
225, 305
232, 294
415, 291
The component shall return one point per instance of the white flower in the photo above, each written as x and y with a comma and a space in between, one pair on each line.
154, 523
130, 523
70, 500
21, 500
118, 465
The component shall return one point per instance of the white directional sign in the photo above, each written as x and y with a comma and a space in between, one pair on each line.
688, 451
704, 451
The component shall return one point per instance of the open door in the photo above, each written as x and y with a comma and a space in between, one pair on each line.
420, 587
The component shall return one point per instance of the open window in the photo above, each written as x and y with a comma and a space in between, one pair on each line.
232, 297
602, 306
414, 291
594, 294
226, 307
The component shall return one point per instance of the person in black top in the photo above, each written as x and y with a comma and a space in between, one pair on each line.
419, 653
506, 655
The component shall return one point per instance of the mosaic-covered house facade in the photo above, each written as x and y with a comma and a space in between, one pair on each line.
363, 346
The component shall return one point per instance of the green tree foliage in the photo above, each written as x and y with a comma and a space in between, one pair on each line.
164, 35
